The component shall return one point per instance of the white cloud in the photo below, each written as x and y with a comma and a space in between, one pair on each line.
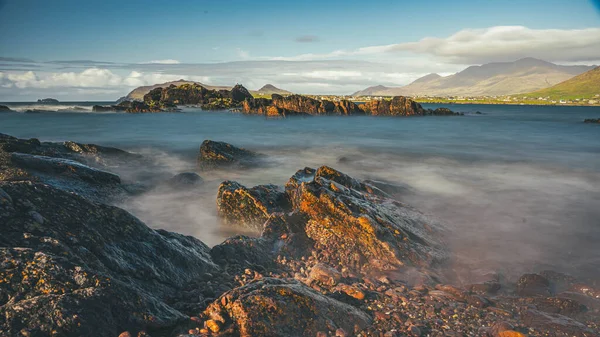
242, 53
168, 61
499, 43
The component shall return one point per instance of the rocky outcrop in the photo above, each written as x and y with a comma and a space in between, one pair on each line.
347, 222
274, 307
240, 94
72, 267
298, 105
591, 120
214, 155
4, 108
303, 105
135, 107
48, 101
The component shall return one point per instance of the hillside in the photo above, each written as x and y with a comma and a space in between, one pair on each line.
270, 89
492, 79
586, 85
137, 94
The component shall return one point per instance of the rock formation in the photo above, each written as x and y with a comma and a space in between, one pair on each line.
4, 108
220, 155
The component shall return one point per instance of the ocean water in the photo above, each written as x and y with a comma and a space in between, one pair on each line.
518, 187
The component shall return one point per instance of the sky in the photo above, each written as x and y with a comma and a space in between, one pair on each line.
100, 50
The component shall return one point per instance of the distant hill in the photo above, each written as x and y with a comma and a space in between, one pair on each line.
270, 89
586, 85
137, 94
499, 78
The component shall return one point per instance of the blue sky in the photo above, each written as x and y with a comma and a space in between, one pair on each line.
130, 33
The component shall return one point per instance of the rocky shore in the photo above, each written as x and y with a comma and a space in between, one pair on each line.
336, 257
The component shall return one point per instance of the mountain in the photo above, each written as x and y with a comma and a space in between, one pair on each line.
138, 93
270, 89
499, 78
586, 85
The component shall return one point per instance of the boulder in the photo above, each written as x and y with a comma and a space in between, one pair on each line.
276, 307
592, 121
214, 155
397, 106
533, 285
185, 180
239, 205
73, 267
240, 94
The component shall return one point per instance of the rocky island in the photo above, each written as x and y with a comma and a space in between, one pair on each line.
240, 99
48, 101
337, 257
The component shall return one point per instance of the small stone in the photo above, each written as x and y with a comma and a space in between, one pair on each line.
321, 334
213, 325
341, 333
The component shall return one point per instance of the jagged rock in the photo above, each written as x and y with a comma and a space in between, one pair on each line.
73, 267
345, 221
220, 155
240, 94
444, 112
275, 307
249, 207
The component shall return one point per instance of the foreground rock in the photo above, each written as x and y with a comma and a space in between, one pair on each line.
76, 268
274, 307
214, 155
302, 105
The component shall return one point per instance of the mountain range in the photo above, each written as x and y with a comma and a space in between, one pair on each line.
492, 79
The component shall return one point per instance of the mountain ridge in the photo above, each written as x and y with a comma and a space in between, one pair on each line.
491, 79
586, 85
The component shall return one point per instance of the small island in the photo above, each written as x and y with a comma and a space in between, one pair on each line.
48, 101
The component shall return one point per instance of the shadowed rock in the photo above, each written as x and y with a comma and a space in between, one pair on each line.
4, 108
185, 180
215, 155
80, 268
273, 307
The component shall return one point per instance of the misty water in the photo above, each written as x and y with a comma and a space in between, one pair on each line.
518, 187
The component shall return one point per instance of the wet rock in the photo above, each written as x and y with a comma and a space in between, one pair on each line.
486, 288
275, 307
215, 155
533, 285
298, 105
4, 108
555, 324
557, 305
87, 268
592, 121
185, 180
444, 112
249, 207
398, 106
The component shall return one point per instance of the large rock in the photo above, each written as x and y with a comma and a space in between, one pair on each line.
220, 155
345, 222
72, 267
274, 307
294, 105
4, 108
240, 94
249, 207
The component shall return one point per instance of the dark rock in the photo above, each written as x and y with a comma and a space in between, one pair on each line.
249, 207
87, 269
240, 94
185, 180
533, 285
298, 105
4, 108
275, 307
444, 112
214, 155
48, 100
557, 305
102, 108
592, 121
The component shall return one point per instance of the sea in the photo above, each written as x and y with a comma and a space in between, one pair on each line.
517, 187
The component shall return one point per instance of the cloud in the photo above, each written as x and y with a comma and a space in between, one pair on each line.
499, 43
307, 39
168, 61
242, 53
16, 59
